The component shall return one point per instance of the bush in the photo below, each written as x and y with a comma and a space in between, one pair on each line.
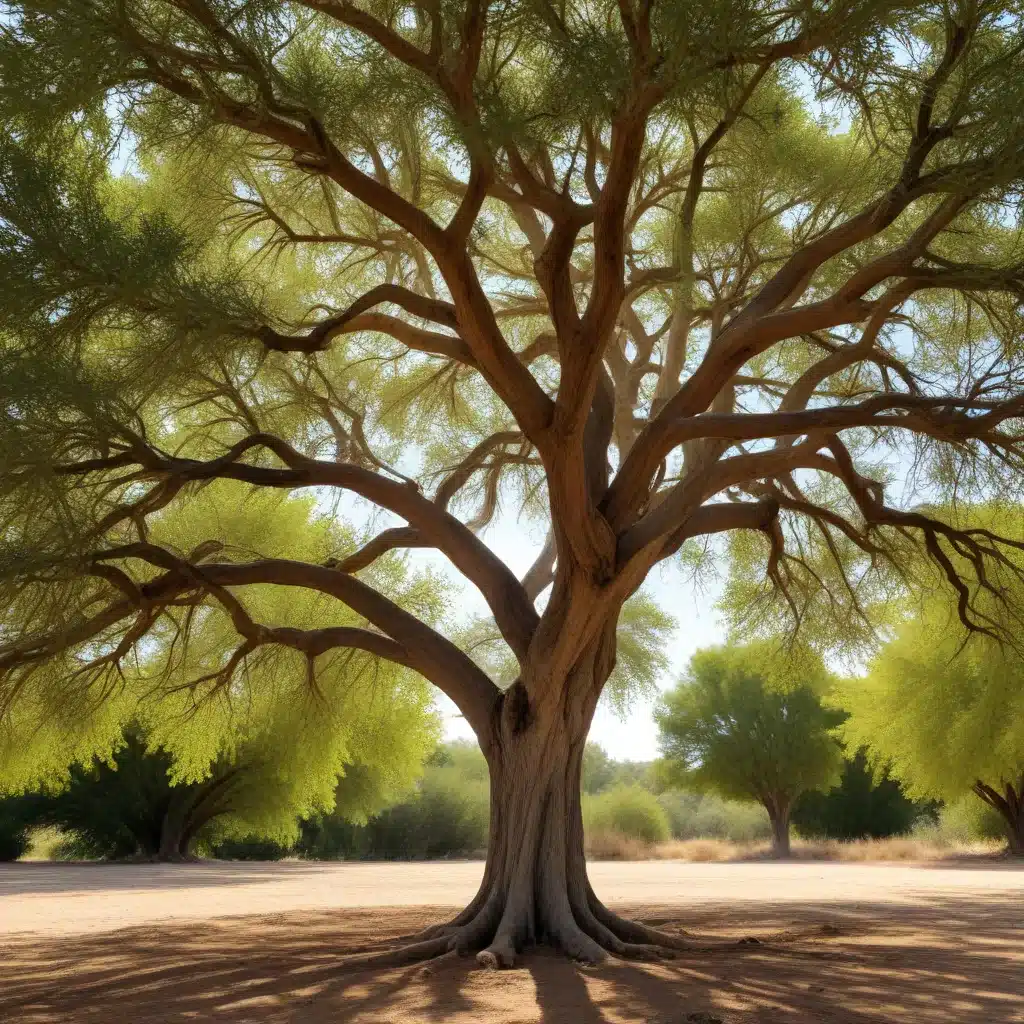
250, 848
693, 816
860, 807
629, 811
969, 820
447, 816
15, 838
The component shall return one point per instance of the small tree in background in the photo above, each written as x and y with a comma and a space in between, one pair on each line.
948, 718
598, 770
734, 727
864, 805
132, 804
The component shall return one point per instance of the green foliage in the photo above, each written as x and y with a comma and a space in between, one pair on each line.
863, 806
133, 806
708, 816
628, 811
295, 739
967, 820
739, 725
642, 639
598, 769
941, 710
113, 809
15, 824
445, 816
251, 847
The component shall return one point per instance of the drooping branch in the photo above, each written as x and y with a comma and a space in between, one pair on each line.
403, 638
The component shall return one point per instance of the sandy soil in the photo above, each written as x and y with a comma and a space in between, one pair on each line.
837, 943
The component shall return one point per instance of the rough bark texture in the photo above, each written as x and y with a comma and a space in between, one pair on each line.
535, 888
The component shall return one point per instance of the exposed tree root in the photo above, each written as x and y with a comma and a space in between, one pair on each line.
587, 934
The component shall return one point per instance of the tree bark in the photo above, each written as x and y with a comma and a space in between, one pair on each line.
535, 888
190, 808
778, 815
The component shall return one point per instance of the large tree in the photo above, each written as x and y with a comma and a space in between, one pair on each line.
659, 270
734, 726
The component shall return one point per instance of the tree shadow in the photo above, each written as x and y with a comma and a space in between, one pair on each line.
930, 961
31, 877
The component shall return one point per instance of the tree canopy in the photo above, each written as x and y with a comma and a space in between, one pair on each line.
650, 272
945, 713
733, 727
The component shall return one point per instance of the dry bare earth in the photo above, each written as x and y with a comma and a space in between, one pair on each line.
843, 943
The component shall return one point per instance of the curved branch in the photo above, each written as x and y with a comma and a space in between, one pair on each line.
406, 639
512, 609
389, 540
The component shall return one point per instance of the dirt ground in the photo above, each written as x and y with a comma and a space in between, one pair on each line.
842, 943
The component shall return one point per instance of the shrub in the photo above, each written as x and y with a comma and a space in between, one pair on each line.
447, 816
693, 816
860, 807
629, 811
15, 838
250, 848
966, 821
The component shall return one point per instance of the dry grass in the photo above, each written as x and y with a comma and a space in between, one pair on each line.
612, 846
44, 844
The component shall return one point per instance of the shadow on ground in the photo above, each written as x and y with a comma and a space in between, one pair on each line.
941, 960
32, 877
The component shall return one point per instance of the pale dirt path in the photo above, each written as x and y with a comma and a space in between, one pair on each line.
67, 899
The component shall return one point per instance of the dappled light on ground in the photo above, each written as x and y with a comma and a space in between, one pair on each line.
917, 955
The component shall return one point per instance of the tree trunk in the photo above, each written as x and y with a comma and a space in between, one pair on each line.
174, 840
190, 808
1010, 805
1015, 834
778, 815
535, 888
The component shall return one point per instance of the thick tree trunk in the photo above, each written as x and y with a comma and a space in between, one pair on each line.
1015, 834
174, 835
190, 808
535, 888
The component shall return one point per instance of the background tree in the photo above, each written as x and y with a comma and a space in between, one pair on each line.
733, 728
946, 713
654, 271
259, 750
864, 805
598, 769
130, 806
